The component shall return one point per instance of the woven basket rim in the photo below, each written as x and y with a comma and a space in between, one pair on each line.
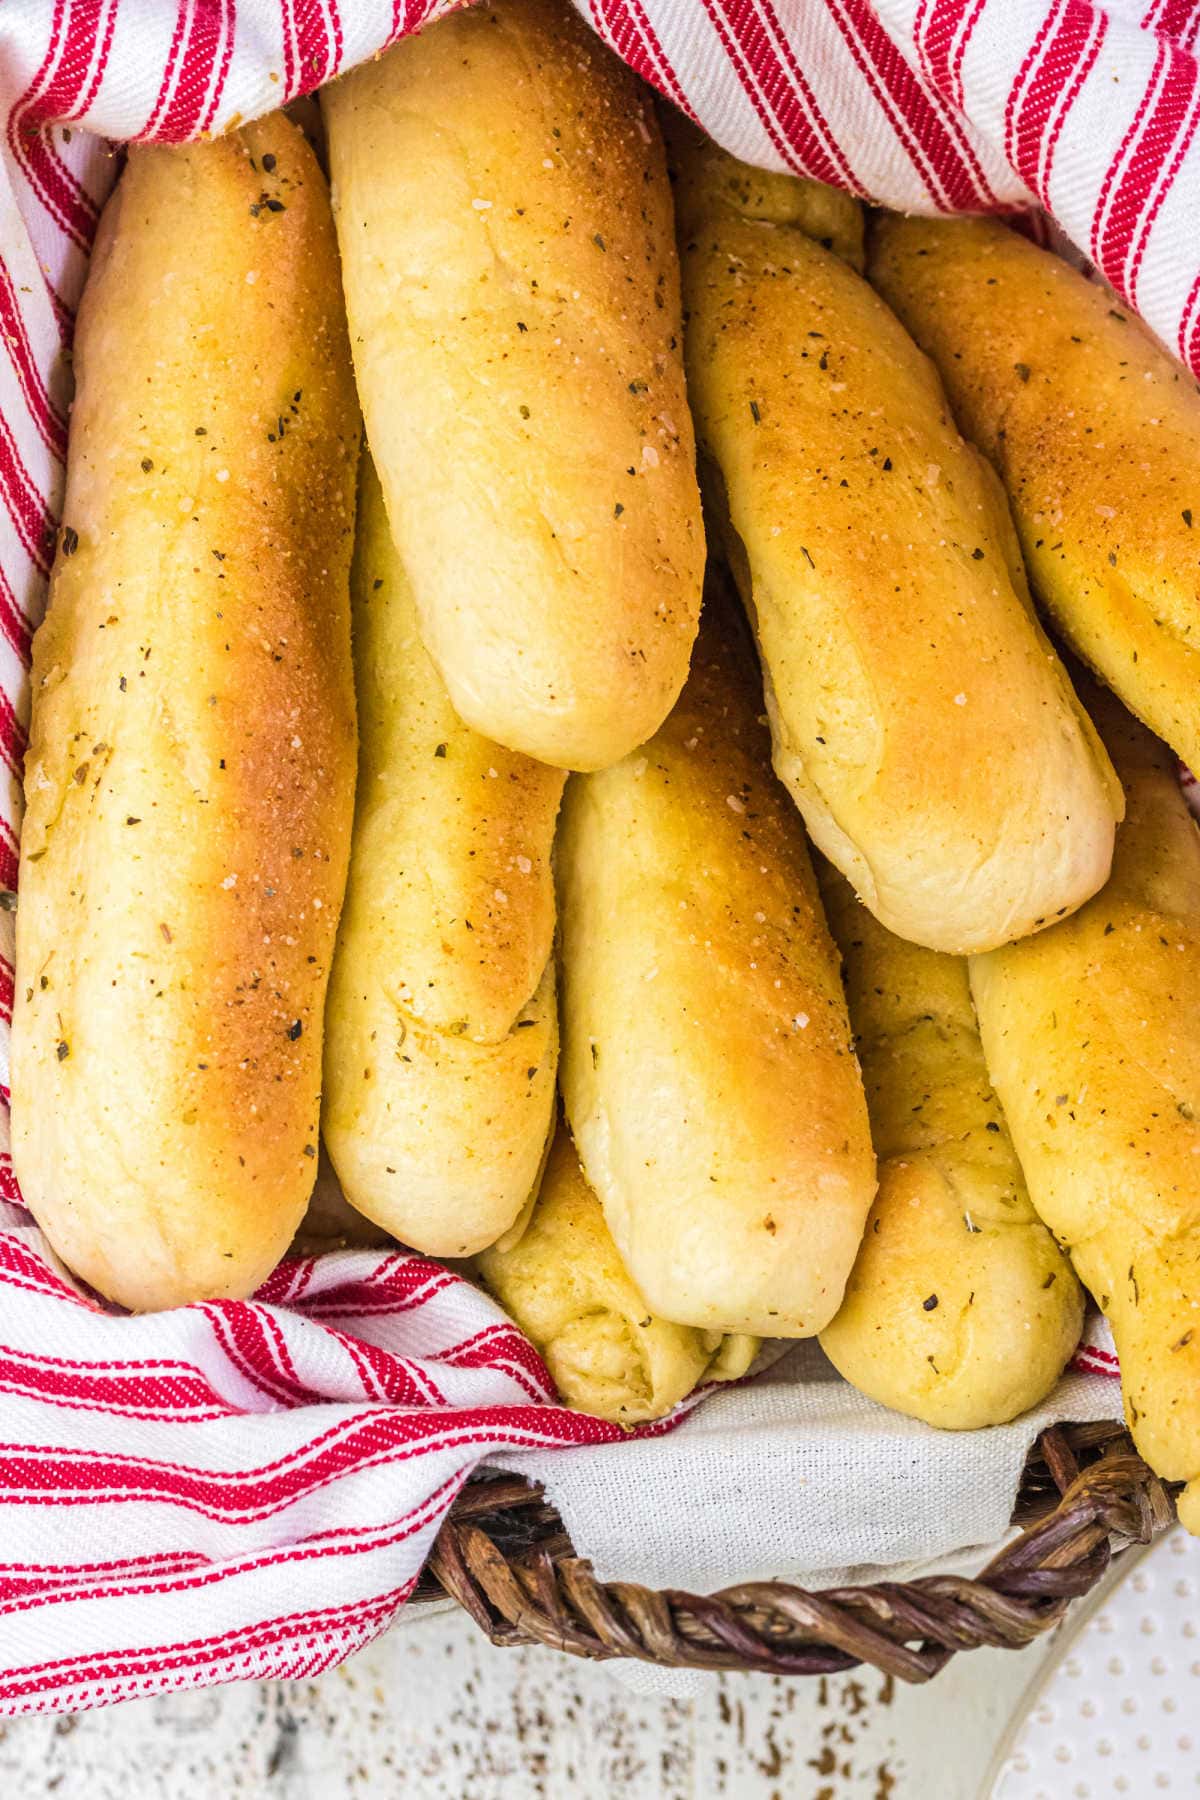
504, 1557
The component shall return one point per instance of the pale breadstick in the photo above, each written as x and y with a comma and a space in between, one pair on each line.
565, 1285
513, 287
961, 1309
707, 1069
1092, 1037
441, 1034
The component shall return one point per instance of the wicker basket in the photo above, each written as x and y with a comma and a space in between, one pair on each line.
1086, 1495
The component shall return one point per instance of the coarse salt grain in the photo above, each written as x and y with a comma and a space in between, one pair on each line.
734, 804
960, 699
524, 865
800, 1021
229, 881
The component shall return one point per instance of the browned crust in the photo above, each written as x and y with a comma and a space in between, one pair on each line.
191, 763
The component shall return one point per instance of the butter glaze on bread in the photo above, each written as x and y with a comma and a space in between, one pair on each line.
1095, 432
190, 774
565, 1286
921, 719
513, 289
441, 1035
961, 1309
707, 1070
701, 171
1092, 1037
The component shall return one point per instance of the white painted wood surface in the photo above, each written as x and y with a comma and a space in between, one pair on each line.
432, 1712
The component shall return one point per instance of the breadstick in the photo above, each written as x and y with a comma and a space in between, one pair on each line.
920, 718
441, 1036
700, 170
513, 288
707, 1071
1095, 432
961, 1309
1092, 1037
190, 775
566, 1287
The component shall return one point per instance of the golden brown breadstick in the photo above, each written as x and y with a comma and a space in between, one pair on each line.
1095, 431
700, 169
920, 718
190, 776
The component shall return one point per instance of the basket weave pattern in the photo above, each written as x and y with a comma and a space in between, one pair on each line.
1086, 1495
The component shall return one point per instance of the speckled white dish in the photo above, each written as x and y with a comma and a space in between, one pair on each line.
1116, 1713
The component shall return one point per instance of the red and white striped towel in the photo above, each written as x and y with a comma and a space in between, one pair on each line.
250, 1489
241, 1488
